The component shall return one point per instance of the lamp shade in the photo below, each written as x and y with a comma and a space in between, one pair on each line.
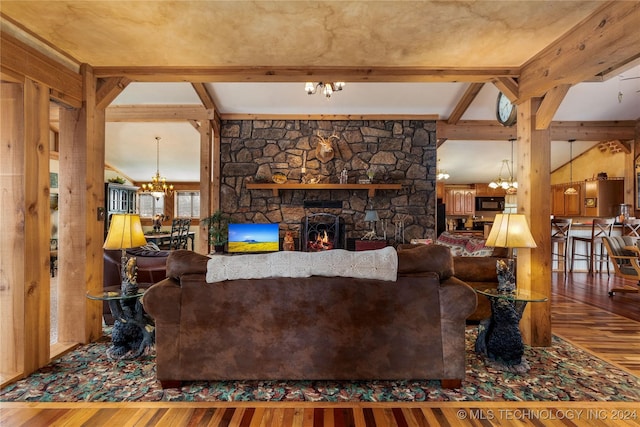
125, 231
370, 216
510, 231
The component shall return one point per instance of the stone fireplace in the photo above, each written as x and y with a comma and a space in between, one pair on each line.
396, 151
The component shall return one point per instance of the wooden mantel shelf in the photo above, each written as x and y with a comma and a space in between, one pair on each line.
371, 188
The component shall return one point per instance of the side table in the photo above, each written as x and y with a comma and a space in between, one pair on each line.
367, 245
499, 336
133, 330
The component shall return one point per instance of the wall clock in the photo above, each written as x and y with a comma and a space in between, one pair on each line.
505, 111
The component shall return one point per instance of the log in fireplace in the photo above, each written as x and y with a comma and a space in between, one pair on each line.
321, 232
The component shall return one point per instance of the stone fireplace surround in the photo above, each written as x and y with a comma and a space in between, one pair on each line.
400, 151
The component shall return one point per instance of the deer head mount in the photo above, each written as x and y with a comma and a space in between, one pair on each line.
324, 149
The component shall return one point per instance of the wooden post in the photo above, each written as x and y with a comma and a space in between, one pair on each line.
12, 244
37, 225
206, 183
81, 233
26, 228
534, 200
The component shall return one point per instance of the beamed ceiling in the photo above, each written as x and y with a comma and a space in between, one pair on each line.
442, 60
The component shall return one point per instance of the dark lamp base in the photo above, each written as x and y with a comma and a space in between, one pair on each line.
506, 278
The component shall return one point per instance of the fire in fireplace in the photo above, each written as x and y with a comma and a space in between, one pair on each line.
321, 232
321, 243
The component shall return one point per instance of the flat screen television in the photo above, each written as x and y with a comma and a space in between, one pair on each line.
248, 238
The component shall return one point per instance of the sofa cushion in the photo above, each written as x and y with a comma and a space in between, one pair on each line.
477, 269
147, 252
420, 258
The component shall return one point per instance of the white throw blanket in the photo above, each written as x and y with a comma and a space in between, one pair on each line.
381, 264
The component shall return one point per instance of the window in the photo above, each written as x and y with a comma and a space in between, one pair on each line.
187, 204
150, 206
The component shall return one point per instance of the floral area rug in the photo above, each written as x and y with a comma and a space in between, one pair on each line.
560, 372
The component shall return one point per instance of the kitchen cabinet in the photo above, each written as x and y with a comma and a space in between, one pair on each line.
603, 197
565, 204
460, 201
119, 198
486, 191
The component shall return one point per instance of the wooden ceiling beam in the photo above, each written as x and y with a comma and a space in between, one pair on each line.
549, 105
508, 86
469, 130
305, 74
204, 95
463, 104
486, 130
593, 131
109, 89
64, 84
197, 113
240, 116
606, 39
155, 113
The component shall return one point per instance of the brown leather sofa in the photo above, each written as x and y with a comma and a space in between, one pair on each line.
314, 328
151, 269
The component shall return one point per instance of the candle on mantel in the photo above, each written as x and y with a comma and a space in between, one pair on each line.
304, 162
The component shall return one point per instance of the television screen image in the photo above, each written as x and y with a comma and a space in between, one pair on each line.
246, 238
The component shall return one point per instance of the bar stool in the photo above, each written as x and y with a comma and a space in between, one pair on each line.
631, 228
560, 230
600, 227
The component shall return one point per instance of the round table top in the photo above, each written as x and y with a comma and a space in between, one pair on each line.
110, 295
517, 295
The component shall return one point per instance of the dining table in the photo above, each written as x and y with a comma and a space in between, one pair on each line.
164, 237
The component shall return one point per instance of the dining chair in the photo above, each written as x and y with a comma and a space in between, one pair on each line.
560, 231
179, 234
53, 257
631, 227
600, 227
625, 254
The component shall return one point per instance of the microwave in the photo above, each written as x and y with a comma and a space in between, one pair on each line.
489, 204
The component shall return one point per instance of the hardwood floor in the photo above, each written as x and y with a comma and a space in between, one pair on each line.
582, 312
323, 414
594, 290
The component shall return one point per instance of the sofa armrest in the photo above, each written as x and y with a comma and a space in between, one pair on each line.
183, 261
163, 301
458, 300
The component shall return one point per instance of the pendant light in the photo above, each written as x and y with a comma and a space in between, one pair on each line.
158, 186
571, 191
441, 174
510, 185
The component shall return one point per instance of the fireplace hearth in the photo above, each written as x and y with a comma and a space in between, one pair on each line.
321, 232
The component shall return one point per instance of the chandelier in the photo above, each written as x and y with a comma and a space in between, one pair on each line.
158, 186
510, 185
324, 88
441, 174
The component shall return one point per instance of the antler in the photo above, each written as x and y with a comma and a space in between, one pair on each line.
328, 139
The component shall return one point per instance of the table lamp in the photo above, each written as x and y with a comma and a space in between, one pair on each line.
125, 231
509, 231
372, 217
